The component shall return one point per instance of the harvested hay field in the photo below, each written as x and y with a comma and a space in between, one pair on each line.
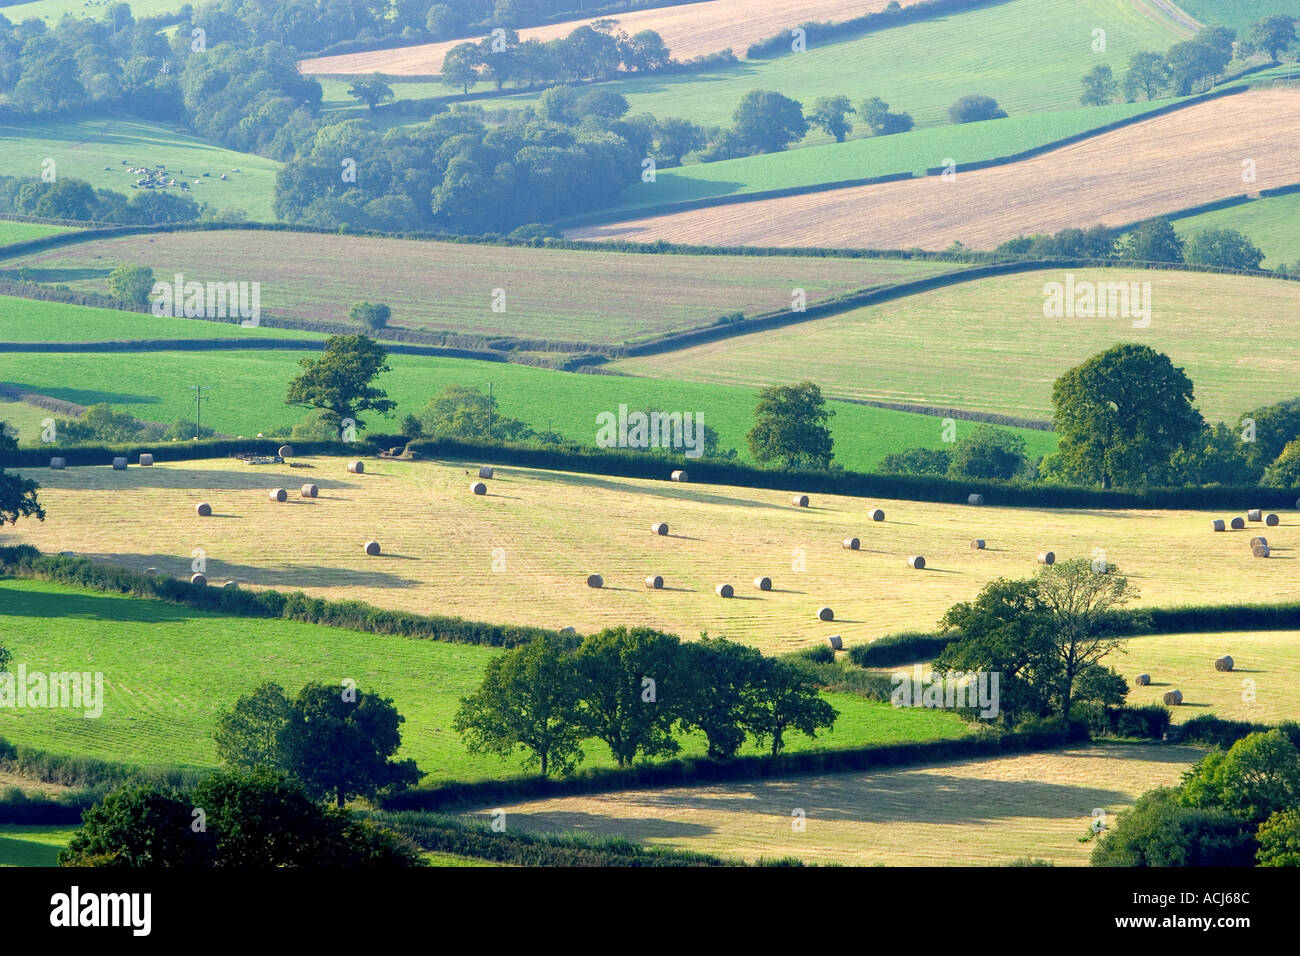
975, 813
553, 529
550, 294
1008, 354
688, 30
1172, 162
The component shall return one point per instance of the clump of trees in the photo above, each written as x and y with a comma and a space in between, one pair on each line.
988, 452
464, 411
17, 494
790, 427
1154, 240
635, 690
71, 198
975, 109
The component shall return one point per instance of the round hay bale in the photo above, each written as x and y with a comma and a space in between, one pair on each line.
278, 494
1254, 514
852, 544
595, 581
800, 501
975, 500
836, 642
1260, 551
1272, 520
58, 464
198, 579
917, 562
286, 451
825, 614
1142, 680
67, 554
654, 582
1223, 663
150, 570
1257, 540
678, 475
1297, 503
478, 488
485, 471
231, 584
203, 508
119, 464
877, 514
1047, 557
568, 629
310, 491
1238, 524
1173, 698
372, 548
763, 584
659, 528
977, 544
1218, 525
356, 467
725, 590
146, 459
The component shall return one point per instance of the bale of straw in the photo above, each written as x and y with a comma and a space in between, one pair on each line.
1258, 540
1260, 551
146, 459
58, 464
975, 500
1218, 525
916, 561
1297, 503
1238, 524
1142, 680
568, 629
877, 514
1223, 663
357, 467
119, 464
478, 488
485, 471
660, 528
725, 590
278, 494
231, 584
1047, 557
203, 508
1272, 520
286, 451
150, 570
836, 642
198, 579
678, 475
852, 544
595, 581
1254, 514
372, 548
310, 491
654, 582
800, 501
977, 544
825, 614
1173, 698
763, 584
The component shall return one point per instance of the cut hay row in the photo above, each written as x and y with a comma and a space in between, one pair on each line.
1174, 161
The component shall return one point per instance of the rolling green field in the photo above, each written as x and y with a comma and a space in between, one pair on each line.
986, 344
1270, 224
32, 320
33, 845
248, 388
913, 152
51, 11
11, 231
549, 294
83, 148
1029, 55
169, 671
1238, 14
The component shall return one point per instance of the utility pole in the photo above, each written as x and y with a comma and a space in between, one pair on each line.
198, 391
489, 411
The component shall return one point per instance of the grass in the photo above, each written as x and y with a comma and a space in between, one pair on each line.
51, 11
1027, 54
83, 148
1239, 14
248, 388
522, 553
32, 320
911, 350
170, 671
23, 419
11, 231
1270, 224
550, 294
961, 813
33, 845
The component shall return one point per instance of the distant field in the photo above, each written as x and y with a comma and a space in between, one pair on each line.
550, 294
553, 529
84, 148
986, 345
688, 30
1238, 14
52, 10
11, 231
248, 388
169, 672
968, 813
33, 845
24, 419
32, 320
1027, 54
1270, 223
1172, 162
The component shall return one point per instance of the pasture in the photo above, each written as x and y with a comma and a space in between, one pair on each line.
1270, 224
33, 320
33, 845
986, 344
522, 553
1172, 162
553, 295
1239, 14
51, 11
169, 671
13, 231
960, 813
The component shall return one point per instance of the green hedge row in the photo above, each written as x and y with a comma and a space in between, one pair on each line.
90, 455
1212, 731
18, 808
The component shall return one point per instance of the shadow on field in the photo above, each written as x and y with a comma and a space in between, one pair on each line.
569, 821
258, 478
54, 275
94, 607
281, 577
677, 492
81, 396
